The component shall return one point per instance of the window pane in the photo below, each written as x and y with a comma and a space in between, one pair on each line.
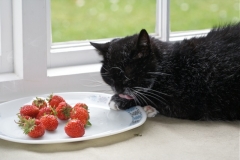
202, 14
96, 19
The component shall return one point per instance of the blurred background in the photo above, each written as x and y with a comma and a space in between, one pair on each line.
96, 19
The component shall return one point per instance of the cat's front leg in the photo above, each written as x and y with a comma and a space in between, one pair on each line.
118, 103
150, 111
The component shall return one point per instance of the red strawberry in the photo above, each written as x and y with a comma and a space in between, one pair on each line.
54, 100
83, 105
74, 128
63, 111
29, 110
33, 128
39, 102
45, 110
80, 114
50, 122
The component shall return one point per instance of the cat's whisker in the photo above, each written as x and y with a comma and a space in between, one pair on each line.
145, 98
116, 68
155, 96
140, 98
105, 75
149, 89
93, 83
159, 73
107, 91
165, 94
152, 81
135, 98
120, 71
105, 69
133, 94
91, 80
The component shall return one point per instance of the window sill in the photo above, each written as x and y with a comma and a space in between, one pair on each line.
72, 70
178, 36
94, 67
9, 77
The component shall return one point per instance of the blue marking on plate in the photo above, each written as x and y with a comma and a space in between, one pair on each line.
99, 99
102, 99
93, 98
136, 115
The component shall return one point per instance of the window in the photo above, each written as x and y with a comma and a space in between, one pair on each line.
80, 52
40, 66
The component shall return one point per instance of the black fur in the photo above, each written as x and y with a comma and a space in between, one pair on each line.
197, 79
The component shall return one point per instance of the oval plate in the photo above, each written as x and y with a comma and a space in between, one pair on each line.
105, 122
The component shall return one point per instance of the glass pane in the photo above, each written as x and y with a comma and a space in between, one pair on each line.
202, 14
96, 19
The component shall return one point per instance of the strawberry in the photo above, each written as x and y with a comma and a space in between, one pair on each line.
74, 128
33, 128
80, 114
22, 119
63, 111
54, 100
50, 122
39, 102
29, 110
83, 105
45, 110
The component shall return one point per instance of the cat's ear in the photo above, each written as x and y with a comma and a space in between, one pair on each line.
143, 44
101, 47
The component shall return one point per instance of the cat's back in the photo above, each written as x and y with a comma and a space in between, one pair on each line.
220, 40
212, 60
219, 45
229, 32
206, 73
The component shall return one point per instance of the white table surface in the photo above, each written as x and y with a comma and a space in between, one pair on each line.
159, 138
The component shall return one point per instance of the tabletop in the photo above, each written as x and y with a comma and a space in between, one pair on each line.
158, 138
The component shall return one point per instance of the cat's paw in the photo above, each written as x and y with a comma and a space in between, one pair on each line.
150, 111
113, 105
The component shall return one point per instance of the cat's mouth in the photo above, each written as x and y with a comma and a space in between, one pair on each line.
125, 96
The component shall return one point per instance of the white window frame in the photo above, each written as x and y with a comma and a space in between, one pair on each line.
41, 67
6, 45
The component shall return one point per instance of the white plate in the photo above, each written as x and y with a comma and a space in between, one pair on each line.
105, 122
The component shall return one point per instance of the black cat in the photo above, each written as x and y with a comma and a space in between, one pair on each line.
196, 79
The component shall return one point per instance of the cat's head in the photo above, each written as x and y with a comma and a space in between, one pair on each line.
127, 63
